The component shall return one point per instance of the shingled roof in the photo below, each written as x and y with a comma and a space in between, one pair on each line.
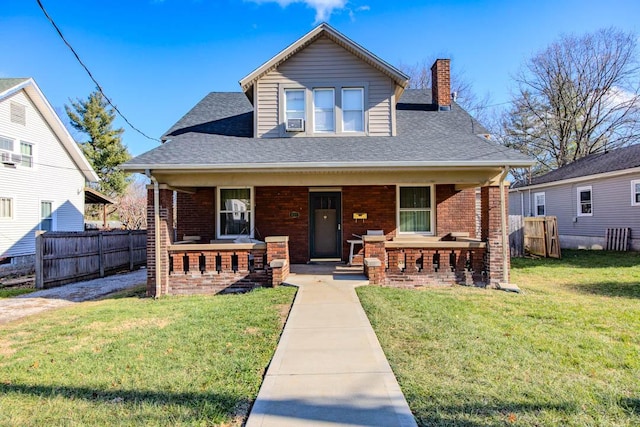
218, 133
608, 161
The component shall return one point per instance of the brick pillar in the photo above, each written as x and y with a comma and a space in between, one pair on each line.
166, 238
491, 229
374, 259
278, 258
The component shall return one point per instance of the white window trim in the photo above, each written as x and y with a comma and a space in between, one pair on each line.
252, 213
304, 100
579, 205
535, 203
634, 182
313, 110
432, 224
352, 132
54, 214
33, 153
13, 208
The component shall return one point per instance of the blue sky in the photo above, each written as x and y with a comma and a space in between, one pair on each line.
157, 58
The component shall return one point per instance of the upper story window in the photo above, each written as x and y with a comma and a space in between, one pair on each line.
540, 205
26, 150
294, 104
353, 110
635, 192
6, 144
323, 110
18, 113
585, 201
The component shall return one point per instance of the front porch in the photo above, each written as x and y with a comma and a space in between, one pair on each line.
273, 227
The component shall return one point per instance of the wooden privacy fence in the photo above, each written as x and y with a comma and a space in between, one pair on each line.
534, 235
66, 257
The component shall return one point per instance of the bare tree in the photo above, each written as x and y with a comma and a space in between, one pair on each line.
132, 205
577, 97
420, 78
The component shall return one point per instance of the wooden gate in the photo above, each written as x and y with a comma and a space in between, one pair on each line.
541, 236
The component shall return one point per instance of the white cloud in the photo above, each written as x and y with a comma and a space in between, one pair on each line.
323, 8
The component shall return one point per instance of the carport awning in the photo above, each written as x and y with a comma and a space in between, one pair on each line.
92, 196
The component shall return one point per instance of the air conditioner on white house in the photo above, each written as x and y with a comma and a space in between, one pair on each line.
295, 125
6, 158
16, 158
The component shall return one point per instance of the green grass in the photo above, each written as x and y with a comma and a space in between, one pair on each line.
14, 292
566, 352
131, 361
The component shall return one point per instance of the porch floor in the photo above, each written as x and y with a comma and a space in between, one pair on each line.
329, 367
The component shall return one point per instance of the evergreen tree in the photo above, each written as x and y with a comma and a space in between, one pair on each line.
104, 149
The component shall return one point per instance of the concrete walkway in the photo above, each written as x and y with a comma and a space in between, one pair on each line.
329, 368
62, 296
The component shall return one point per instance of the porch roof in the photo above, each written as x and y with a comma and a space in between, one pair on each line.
217, 134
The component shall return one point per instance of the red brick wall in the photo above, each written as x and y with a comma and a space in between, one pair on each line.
166, 238
492, 232
273, 206
456, 210
378, 202
197, 214
441, 82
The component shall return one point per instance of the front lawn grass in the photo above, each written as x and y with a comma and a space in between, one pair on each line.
174, 361
566, 352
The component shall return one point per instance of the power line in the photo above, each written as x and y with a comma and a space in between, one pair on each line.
91, 75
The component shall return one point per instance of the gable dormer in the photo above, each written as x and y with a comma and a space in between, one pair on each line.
324, 85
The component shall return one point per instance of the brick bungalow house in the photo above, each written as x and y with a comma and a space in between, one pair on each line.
323, 144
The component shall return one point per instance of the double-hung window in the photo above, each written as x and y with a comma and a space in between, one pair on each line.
585, 201
26, 150
540, 205
635, 192
415, 210
323, 110
46, 216
235, 212
294, 104
353, 110
6, 208
6, 144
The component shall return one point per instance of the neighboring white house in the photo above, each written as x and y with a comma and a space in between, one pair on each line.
587, 196
42, 173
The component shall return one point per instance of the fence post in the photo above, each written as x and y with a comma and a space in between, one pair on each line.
100, 254
39, 259
130, 250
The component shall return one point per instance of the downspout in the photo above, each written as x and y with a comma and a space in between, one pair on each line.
503, 225
156, 228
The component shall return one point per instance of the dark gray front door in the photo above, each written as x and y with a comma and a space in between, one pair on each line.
325, 228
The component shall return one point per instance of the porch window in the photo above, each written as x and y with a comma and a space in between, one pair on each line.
323, 110
26, 150
415, 210
353, 110
585, 201
46, 216
294, 104
635, 192
235, 212
541, 208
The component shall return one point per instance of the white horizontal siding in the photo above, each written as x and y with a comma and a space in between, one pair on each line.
54, 177
324, 62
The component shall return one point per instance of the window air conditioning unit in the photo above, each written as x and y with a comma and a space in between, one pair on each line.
7, 158
16, 158
295, 125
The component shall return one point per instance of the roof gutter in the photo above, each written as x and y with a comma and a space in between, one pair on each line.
472, 164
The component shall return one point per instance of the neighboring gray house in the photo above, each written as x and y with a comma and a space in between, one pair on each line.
42, 173
588, 196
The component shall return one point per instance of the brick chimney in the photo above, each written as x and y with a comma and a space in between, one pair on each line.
441, 84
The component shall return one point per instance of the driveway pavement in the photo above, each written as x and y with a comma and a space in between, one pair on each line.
47, 299
329, 368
